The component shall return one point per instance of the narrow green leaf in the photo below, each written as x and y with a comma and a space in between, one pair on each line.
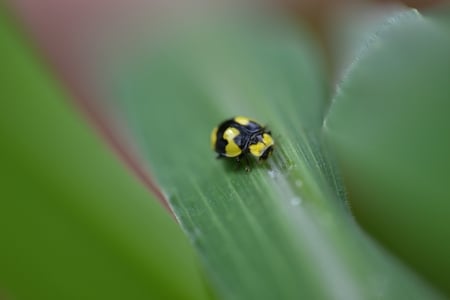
281, 231
389, 123
74, 224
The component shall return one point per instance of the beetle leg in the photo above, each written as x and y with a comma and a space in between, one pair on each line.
247, 164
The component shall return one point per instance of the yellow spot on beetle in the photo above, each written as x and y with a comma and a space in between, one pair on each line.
214, 138
231, 149
242, 120
267, 139
260, 147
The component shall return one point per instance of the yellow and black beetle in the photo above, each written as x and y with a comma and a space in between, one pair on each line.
240, 136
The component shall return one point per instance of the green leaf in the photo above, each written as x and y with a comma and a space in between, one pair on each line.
74, 223
283, 230
389, 123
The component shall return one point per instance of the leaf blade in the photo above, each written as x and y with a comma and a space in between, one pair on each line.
281, 229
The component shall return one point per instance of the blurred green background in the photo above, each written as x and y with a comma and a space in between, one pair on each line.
353, 204
75, 224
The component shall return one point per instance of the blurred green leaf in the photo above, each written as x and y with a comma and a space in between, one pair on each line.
74, 224
281, 231
389, 123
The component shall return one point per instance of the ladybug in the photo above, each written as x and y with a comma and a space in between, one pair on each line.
240, 136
